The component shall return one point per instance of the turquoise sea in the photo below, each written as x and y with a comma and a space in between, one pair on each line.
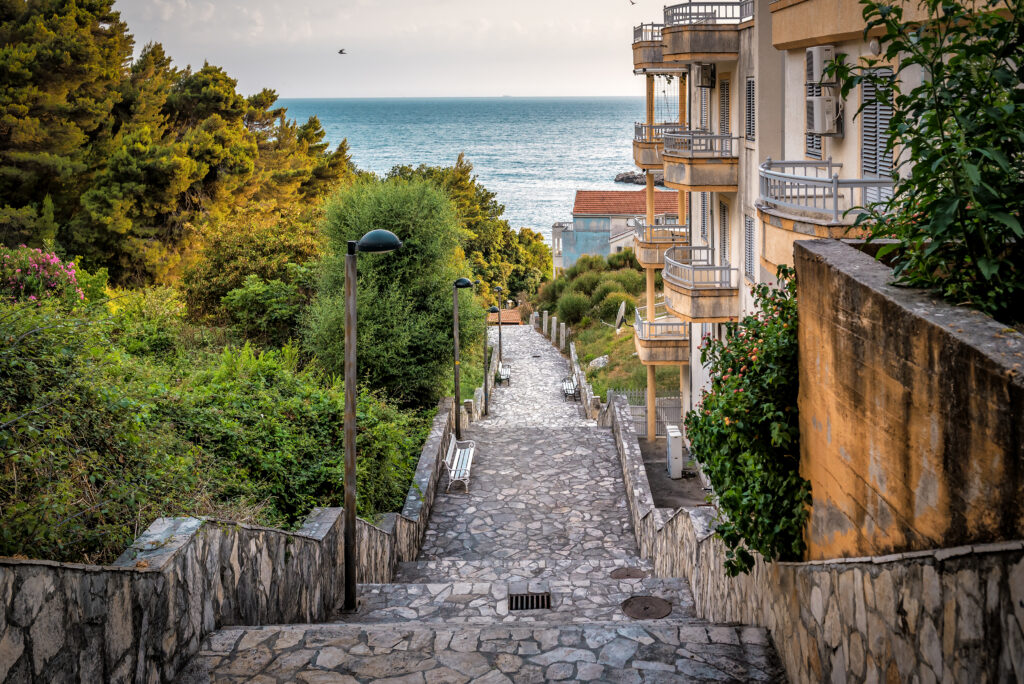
533, 152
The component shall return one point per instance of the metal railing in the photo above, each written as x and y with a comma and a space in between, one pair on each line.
647, 32
699, 144
692, 267
669, 232
667, 410
815, 187
724, 12
667, 328
655, 133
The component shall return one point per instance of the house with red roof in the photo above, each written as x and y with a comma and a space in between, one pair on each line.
599, 222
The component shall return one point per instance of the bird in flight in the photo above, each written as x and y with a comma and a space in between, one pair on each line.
632, 2
342, 51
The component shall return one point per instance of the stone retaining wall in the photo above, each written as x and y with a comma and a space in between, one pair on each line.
142, 618
943, 615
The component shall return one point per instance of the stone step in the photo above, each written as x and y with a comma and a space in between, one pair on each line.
510, 570
573, 601
419, 652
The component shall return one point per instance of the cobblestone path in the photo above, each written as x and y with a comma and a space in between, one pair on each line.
545, 512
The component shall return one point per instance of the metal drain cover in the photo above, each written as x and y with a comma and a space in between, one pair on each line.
646, 607
628, 573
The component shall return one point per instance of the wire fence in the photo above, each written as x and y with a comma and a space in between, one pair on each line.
668, 410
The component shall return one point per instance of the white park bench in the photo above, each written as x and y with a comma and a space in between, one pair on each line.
459, 461
570, 388
504, 373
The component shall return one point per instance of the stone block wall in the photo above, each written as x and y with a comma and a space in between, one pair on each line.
953, 614
142, 618
911, 412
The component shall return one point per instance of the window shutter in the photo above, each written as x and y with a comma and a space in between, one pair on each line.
704, 116
723, 233
875, 160
748, 247
813, 146
704, 218
723, 107
751, 112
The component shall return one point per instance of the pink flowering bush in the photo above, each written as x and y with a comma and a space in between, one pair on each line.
30, 274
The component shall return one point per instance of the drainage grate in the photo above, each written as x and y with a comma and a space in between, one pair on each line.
528, 601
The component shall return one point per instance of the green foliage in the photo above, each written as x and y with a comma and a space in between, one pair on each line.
958, 136
404, 298
147, 322
587, 262
624, 259
29, 275
572, 307
585, 283
609, 306
629, 280
266, 311
606, 286
746, 431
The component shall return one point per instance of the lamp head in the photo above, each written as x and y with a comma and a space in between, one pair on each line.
463, 283
497, 288
493, 309
378, 241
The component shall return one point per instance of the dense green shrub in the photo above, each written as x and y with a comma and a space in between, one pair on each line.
746, 431
28, 274
624, 259
607, 285
958, 139
586, 282
572, 307
629, 281
609, 306
587, 262
265, 311
147, 321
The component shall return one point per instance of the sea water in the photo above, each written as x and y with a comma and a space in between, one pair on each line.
533, 152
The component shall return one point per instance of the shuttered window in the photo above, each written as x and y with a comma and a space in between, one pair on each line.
875, 159
724, 112
705, 219
704, 116
723, 233
813, 141
748, 247
751, 110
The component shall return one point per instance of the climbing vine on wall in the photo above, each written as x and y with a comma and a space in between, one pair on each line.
745, 432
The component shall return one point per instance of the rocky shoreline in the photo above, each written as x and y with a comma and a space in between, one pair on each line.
637, 178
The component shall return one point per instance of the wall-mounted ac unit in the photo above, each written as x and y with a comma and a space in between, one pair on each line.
823, 112
704, 75
818, 59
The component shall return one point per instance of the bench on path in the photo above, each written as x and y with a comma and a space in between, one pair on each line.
459, 462
504, 373
570, 388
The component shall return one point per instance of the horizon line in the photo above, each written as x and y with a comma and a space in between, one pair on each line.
452, 97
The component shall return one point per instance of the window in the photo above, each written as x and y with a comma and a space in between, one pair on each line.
723, 233
704, 218
813, 141
723, 107
875, 159
748, 247
751, 111
704, 117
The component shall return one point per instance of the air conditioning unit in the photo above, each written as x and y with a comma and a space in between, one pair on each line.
818, 59
704, 75
823, 112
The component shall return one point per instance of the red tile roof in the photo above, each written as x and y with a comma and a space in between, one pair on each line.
508, 317
623, 202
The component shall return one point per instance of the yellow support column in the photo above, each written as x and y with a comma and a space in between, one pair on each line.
651, 401
650, 99
649, 196
682, 99
649, 273
682, 208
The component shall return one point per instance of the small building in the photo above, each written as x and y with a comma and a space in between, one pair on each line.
599, 222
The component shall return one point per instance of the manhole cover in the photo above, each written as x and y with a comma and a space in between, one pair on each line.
628, 573
646, 607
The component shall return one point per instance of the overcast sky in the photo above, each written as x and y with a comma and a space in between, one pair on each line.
403, 48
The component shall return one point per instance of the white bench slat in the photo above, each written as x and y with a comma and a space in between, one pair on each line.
459, 461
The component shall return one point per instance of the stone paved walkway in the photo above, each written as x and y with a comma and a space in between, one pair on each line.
546, 511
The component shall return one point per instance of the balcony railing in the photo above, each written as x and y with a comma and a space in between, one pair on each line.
647, 32
669, 232
725, 12
655, 133
699, 144
691, 267
669, 328
815, 187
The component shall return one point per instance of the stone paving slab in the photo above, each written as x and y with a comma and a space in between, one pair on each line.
532, 568
639, 652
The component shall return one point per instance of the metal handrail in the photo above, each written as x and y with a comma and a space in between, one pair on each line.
655, 133
815, 186
691, 267
667, 232
699, 144
670, 328
647, 32
723, 12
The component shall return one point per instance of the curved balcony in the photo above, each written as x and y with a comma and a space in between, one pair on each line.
700, 161
647, 46
698, 290
647, 143
704, 31
663, 341
651, 242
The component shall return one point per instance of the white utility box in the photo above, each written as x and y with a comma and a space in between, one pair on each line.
675, 451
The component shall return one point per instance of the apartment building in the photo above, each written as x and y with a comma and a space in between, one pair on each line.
763, 151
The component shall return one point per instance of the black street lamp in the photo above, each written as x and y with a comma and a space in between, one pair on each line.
459, 284
500, 357
376, 241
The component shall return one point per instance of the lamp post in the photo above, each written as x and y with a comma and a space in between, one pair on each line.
498, 290
376, 241
459, 284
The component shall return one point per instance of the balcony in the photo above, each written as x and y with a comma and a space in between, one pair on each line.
704, 31
647, 142
647, 46
697, 290
663, 341
700, 161
652, 241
